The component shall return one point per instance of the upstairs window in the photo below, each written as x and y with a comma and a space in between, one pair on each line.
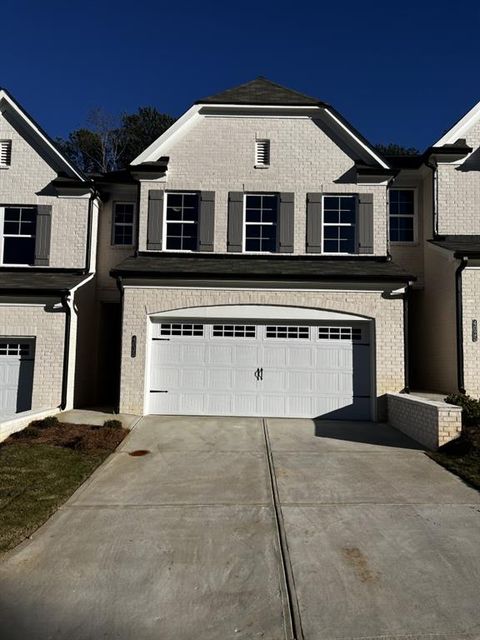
402, 215
5, 153
18, 226
123, 223
339, 221
181, 221
262, 153
260, 228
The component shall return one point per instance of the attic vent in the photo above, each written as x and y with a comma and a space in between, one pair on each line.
5, 153
262, 153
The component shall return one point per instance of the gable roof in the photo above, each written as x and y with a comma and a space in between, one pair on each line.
262, 92
63, 164
462, 125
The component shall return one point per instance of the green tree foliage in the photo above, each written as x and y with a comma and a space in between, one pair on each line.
107, 143
392, 149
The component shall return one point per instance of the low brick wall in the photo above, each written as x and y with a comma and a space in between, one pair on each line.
22, 420
429, 422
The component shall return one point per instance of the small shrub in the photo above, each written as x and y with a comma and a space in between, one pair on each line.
113, 424
47, 423
470, 407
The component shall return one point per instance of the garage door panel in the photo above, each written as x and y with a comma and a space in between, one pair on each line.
217, 370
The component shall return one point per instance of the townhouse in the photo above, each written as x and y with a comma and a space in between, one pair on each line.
260, 258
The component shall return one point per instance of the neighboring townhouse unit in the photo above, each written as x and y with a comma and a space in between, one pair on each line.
48, 217
262, 283
446, 310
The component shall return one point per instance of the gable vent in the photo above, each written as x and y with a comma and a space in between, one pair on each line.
5, 153
262, 153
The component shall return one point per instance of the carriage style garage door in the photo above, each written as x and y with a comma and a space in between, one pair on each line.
275, 369
16, 376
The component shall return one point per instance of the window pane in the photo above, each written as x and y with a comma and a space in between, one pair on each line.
330, 232
330, 246
174, 243
174, 199
269, 202
330, 202
252, 244
253, 202
253, 215
12, 214
19, 250
11, 227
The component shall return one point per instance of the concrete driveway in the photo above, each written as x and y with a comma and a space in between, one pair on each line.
243, 528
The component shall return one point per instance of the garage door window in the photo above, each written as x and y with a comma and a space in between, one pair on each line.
15, 349
234, 331
339, 333
181, 330
295, 333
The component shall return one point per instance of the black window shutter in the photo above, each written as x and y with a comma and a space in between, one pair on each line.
365, 223
206, 221
155, 220
43, 234
235, 221
314, 222
285, 223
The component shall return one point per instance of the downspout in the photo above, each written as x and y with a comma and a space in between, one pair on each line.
122, 292
459, 316
66, 301
406, 359
434, 168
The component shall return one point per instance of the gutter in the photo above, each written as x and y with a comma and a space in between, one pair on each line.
406, 333
434, 168
67, 304
459, 318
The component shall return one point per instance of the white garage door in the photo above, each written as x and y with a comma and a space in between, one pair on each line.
16, 376
277, 370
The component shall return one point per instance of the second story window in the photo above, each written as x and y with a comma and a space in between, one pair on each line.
18, 226
123, 223
181, 221
5, 153
260, 228
402, 215
339, 220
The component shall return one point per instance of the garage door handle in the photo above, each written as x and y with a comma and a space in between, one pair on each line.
258, 374
261, 374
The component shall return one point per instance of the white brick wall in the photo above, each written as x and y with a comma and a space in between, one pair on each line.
217, 154
22, 183
48, 327
139, 302
459, 192
430, 423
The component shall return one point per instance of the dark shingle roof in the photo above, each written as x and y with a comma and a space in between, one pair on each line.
461, 246
263, 92
27, 281
244, 267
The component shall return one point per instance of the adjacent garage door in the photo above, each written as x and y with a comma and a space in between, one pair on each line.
16, 376
275, 369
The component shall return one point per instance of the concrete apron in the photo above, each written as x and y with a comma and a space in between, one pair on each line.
356, 534
179, 543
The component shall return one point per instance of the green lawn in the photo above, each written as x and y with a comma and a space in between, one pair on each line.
41, 467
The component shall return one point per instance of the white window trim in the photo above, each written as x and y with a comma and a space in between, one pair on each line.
9, 235
340, 224
134, 224
266, 224
405, 243
164, 224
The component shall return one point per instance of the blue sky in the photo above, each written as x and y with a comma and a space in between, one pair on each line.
400, 72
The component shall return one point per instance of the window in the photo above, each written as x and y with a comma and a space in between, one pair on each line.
339, 216
181, 330
402, 215
5, 153
262, 153
181, 221
18, 225
339, 333
261, 222
123, 222
234, 331
288, 332
15, 349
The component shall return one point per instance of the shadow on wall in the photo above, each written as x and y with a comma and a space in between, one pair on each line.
364, 432
360, 408
472, 163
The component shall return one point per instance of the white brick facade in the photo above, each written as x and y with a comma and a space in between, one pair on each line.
140, 302
217, 154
